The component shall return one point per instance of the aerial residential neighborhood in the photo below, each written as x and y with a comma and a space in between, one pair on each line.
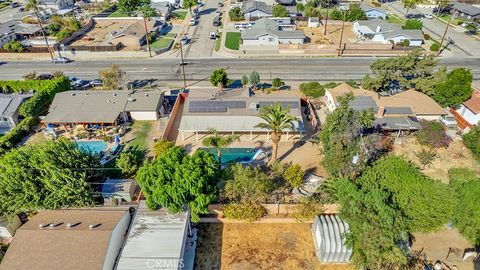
240, 134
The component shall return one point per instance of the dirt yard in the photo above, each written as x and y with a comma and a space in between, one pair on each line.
456, 155
238, 246
315, 35
335, 31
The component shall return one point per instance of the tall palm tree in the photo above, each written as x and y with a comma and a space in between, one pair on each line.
217, 141
276, 120
147, 12
32, 5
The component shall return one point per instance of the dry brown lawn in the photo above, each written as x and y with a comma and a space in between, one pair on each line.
315, 34
239, 246
335, 31
455, 156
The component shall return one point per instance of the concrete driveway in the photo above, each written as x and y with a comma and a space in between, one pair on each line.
464, 45
202, 45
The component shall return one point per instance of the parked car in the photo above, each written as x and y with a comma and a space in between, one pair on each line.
61, 60
213, 35
45, 76
193, 21
414, 16
14, 4
184, 40
218, 13
21, 9
442, 9
95, 83
216, 22
429, 16
200, 4
76, 82
239, 26
220, 4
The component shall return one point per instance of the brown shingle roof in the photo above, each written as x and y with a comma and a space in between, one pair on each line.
61, 248
473, 104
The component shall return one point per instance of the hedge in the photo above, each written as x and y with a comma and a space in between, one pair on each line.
16, 135
44, 90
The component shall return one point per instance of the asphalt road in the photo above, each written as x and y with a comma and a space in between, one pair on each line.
292, 71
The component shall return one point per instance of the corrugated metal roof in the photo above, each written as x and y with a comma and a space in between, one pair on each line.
397, 123
360, 103
398, 110
329, 232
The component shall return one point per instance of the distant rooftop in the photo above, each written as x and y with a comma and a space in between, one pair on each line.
9, 103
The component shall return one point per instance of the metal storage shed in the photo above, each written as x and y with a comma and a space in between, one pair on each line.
328, 237
123, 189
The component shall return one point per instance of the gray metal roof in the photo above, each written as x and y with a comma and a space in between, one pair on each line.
412, 34
18, 27
384, 25
251, 6
366, 7
99, 106
155, 236
266, 26
466, 9
9, 103
398, 110
397, 123
360, 103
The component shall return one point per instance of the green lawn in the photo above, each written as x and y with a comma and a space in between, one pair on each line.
394, 19
232, 40
218, 42
446, 17
161, 43
180, 14
140, 131
118, 13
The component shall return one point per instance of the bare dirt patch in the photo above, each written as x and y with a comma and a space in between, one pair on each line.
335, 31
239, 246
315, 35
455, 156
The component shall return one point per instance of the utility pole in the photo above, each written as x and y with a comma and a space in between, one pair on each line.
43, 32
326, 21
183, 66
146, 35
341, 34
445, 33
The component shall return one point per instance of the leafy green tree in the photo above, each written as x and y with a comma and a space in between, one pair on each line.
312, 12
427, 85
244, 80
276, 120
347, 148
217, 141
13, 46
472, 28
254, 79
188, 4
277, 83
471, 139
409, 4
312, 89
236, 14
246, 185
161, 146
466, 214
456, 88
388, 202
219, 78
280, 11
300, 7
355, 13
175, 180
129, 162
413, 24
131, 6
111, 77
294, 175
406, 71
49, 175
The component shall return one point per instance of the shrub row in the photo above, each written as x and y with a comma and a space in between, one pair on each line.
247, 211
17, 133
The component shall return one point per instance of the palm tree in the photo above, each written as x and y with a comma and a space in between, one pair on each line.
276, 120
32, 5
147, 12
217, 141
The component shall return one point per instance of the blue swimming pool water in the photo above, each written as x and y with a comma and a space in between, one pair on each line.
231, 155
94, 147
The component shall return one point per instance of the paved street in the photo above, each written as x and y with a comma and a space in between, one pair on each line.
167, 71
6, 14
464, 45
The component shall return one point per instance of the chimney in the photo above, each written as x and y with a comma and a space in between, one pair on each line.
380, 112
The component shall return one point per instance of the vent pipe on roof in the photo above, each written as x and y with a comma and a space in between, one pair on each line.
53, 225
71, 225
93, 226
41, 225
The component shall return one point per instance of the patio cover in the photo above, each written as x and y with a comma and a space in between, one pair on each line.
62, 12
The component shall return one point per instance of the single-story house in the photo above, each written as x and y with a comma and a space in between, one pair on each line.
286, 2
373, 12
313, 22
158, 240
16, 30
268, 32
9, 227
466, 11
164, 8
104, 107
256, 9
55, 5
329, 239
9, 106
69, 239
234, 111
122, 189
401, 111
133, 36
467, 114
384, 32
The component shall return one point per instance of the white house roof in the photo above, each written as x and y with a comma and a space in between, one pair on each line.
266, 26
366, 8
155, 236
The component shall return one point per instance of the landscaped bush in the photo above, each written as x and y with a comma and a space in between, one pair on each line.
236, 14
426, 36
432, 134
13, 46
247, 211
44, 90
472, 141
15, 135
308, 209
330, 85
434, 47
294, 175
312, 89
413, 24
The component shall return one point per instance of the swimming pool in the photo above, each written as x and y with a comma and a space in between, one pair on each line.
232, 155
94, 147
